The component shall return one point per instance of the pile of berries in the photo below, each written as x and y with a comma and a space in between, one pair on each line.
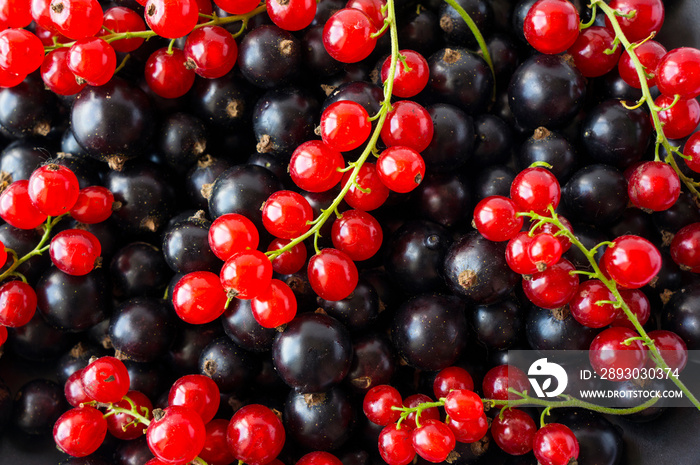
301, 232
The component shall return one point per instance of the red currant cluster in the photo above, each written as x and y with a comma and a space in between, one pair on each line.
413, 425
179, 433
51, 193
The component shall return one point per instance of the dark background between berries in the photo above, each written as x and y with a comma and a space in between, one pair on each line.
670, 439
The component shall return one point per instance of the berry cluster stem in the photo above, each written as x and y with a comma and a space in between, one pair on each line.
369, 149
612, 287
39, 249
214, 21
661, 139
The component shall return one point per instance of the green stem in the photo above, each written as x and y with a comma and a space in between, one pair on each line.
661, 139
610, 284
383, 111
215, 21
479, 39
569, 401
40, 248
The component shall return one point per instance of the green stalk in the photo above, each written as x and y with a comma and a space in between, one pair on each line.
369, 148
661, 139
620, 302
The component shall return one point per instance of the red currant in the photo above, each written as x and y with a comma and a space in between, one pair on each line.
211, 51
166, 73
332, 274
76, 19
291, 15
401, 169
647, 18
632, 261
122, 425
345, 125
287, 214
255, 435
92, 60
75, 251
93, 205
411, 75
555, 444
17, 303
373, 194
246, 274
408, 124
176, 434
589, 49
551, 26
514, 431
649, 54
347, 35
495, 218
452, 378
585, 307
56, 74
680, 120
357, 234
172, 18
199, 297
378, 402
231, 233
654, 185
678, 73
433, 440
608, 351
106, 380
17, 208
553, 287
80, 431
396, 445
685, 248
197, 392
275, 306
21, 52
121, 19
288, 262
315, 167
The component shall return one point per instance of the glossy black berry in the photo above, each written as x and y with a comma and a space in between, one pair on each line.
429, 331
283, 119
453, 139
240, 325
460, 78
269, 56
142, 329
596, 194
549, 147
139, 270
186, 246
231, 367
476, 268
556, 330
37, 406
546, 91
313, 353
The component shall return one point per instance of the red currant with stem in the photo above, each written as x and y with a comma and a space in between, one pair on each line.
685, 247
680, 120
197, 392
632, 261
75, 251
120, 19
555, 444
255, 435
373, 8
123, 426
92, 60
176, 434
692, 151
464, 405
551, 26
106, 380
544, 250
17, 208
649, 54
287, 214
332, 274
433, 441
401, 169
21, 52
378, 402
678, 73
74, 389
56, 74
211, 51
315, 166
172, 19
585, 306
199, 297
452, 378
514, 431
499, 379
17, 303
672, 347
275, 306
215, 451
647, 18
535, 189
345, 125
639, 305
553, 229
347, 35
93, 205
589, 49
358, 234
53, 189
608, 351
289, 261
396, 445
231, 233
411, 75
246, 274
369, 193
495, 218
166, 74
517, 256
408, 124
429, 413
80, 431
553, 287
654, 185
291, 15
471, 430
76, 19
